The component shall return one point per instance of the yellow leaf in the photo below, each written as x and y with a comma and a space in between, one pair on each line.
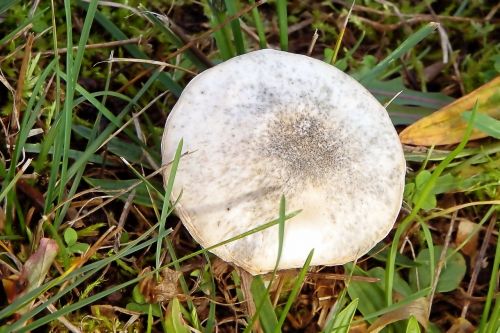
446, 126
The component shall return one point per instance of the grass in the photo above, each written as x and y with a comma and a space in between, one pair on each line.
81, 145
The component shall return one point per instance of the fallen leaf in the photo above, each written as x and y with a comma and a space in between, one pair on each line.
461, 325
418, 308
32, 274
451, 275
447, 126
467, 228
162, 290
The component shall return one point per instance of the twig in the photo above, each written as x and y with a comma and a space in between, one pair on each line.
313, 42
186, 40
135, 115
441, 262
416, 17
62, 319
123, 218
342, 277
116, 43
477, 265
147, 61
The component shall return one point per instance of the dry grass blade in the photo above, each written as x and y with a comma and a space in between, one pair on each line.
150, 62
417, 308
477, 265
441, 262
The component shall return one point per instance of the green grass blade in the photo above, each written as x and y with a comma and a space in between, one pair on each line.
64, 137
21, 25
430, 246
494, 322
342, 322
282, 23
426, 191
73, 69
262, 307
281, 231
84, 37
6, 4
96, 94
259, 26
175, 40
93, 145
101, 263
295, 291
164, 78
494, 318
30, 116
8, 186
210, 322
232, 9
134, 246
166, 200
264, 310
92, 148
33, 108
114, 120
73, 154
223, 35
404, 47
485, 123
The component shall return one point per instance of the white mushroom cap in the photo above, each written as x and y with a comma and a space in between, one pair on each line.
269, 123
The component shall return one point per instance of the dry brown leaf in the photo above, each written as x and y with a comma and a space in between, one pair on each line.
103, 310
465, 229
419, 308
33, 273
461, 325
2, 219
446, 125
162, 290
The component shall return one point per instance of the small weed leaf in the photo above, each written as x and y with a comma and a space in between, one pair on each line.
70, 236
451, 275
370, 295
144, 308
174, 321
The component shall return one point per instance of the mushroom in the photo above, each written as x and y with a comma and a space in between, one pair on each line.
271, 123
